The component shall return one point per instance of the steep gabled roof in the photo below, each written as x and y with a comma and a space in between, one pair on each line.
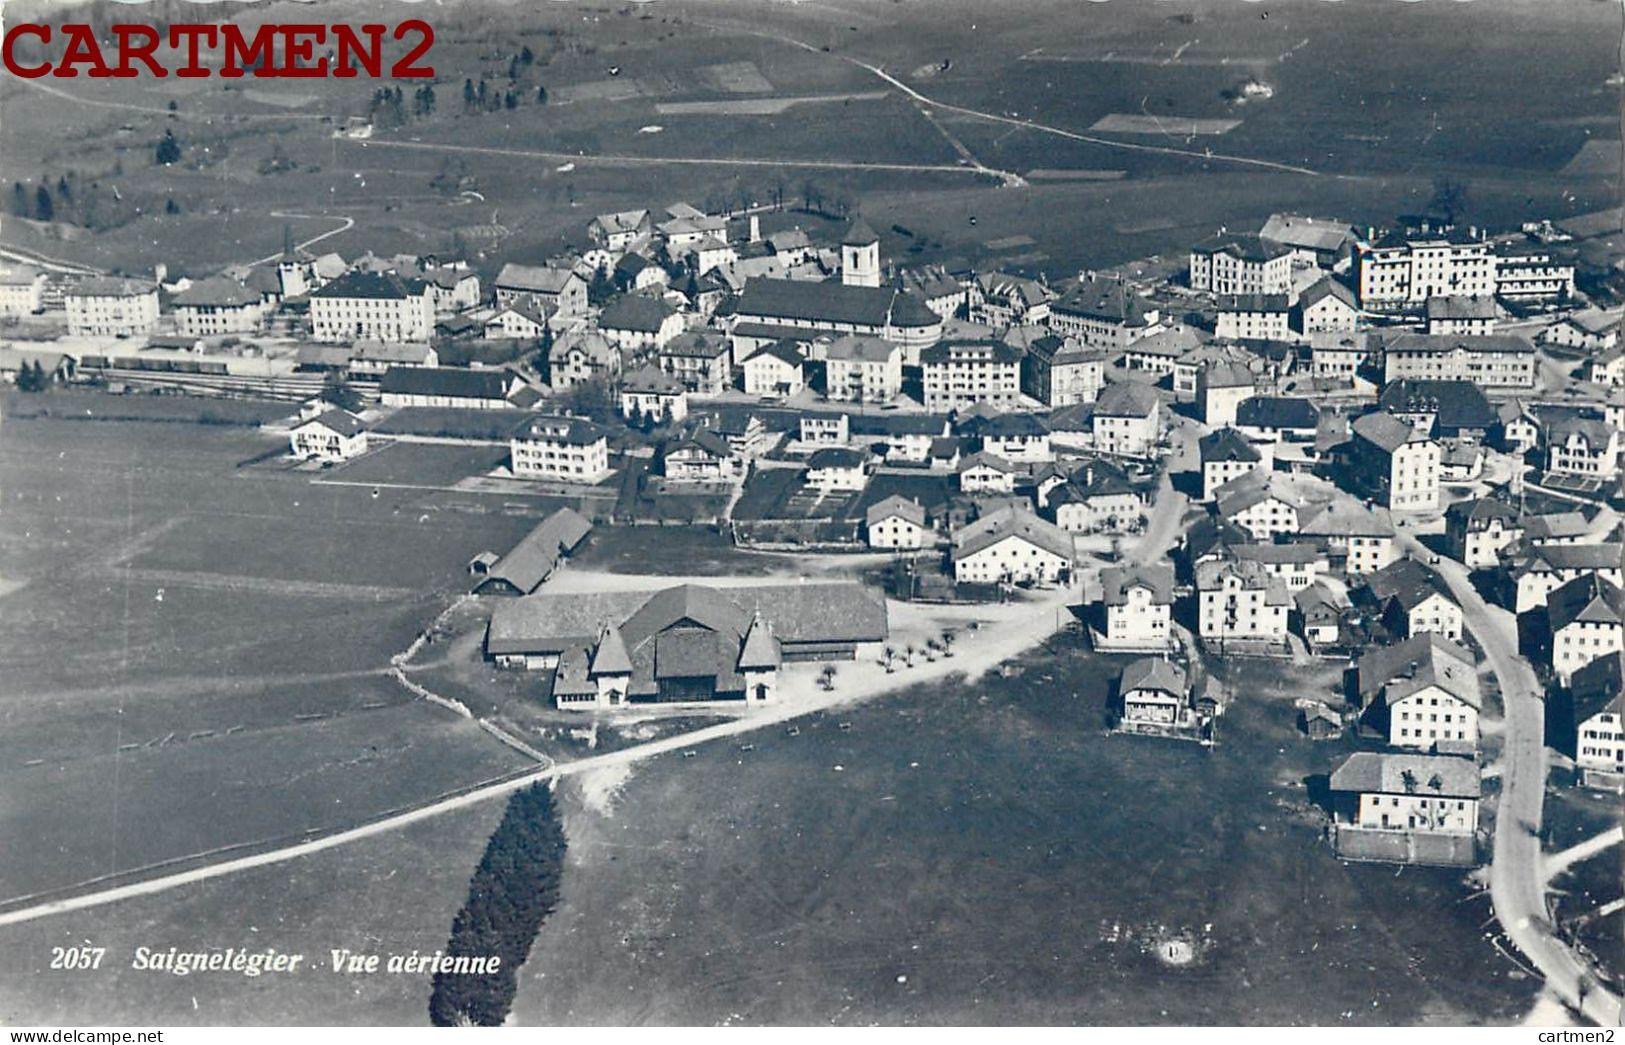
1437, 776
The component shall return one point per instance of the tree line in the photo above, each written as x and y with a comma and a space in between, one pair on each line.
514, 889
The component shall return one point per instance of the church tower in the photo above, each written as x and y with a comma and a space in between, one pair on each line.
860, 256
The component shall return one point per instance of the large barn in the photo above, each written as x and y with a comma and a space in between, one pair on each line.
689, 644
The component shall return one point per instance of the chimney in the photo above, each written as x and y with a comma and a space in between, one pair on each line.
755, 228
160, 272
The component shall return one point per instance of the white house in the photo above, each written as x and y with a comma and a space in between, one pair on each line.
775, 370
897, 522
1599, 717
837, 468
1420, 692
1239, 602
1126, 419
330, 436
563, 449
1586, 621
1138, 609
650, 392
1012, 546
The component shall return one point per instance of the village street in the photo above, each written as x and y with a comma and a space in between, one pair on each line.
1517, 868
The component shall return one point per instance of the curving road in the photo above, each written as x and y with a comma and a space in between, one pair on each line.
1517, 867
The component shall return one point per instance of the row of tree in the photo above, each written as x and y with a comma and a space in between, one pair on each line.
33, 378
514, 889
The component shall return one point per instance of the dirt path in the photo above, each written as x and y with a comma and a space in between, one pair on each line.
1010, 630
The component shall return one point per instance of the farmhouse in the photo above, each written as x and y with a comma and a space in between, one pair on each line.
1261, 504
1098, 497
1591, 330
1012, 546
110, 307
686, 645
534, 558
1323, 242
1138, 603
1357, 539
618, 231
448, 386
1154, 695
1420, 693
329, 437
520, 321
897, 522
1406, 808
542, 287
1273, 418
563, 449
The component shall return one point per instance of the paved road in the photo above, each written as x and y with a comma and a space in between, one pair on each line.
1517, 878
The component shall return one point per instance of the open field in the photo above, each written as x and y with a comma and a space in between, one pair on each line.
157, 590
982, 854
1376, 138
938, 859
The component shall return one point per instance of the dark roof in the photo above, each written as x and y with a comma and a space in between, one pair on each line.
827, 303
1156, 673
1103, 298
1278, 412
813, 612
1125, 399
783, 350
859, 234
1226, 444
1597, 687
1373, 772
651, 380
571, 430
1246, 246
361, 284
1423, 660
1255, 303
982, 350
1587, 599
1012, 425
1408, 581
341, 421
534, 557
638, 312
698, 344
445, 381
1455, 404
934, 425
219, 292
1328, 288
1460, 307
1386, 431
836, 457
1441, 343
1117, 581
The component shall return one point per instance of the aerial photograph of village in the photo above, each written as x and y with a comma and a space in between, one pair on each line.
828, 513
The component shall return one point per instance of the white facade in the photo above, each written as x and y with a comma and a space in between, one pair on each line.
108, 308
1422, 719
